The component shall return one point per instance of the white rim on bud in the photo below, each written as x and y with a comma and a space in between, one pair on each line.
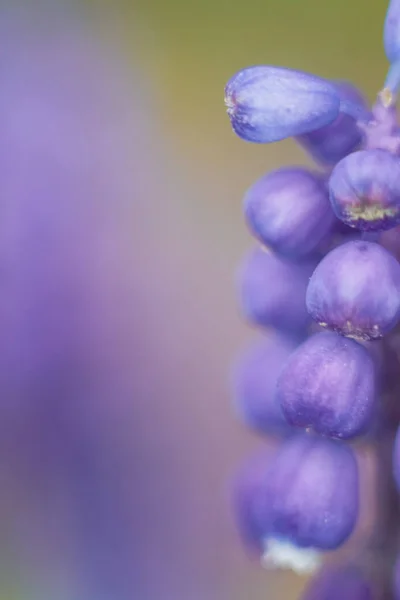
281, 554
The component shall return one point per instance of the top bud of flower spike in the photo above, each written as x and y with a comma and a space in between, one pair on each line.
391, 40
267, 104
391, 31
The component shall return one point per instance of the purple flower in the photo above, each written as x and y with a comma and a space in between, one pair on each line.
304, 497
266, 104
365, 190
328, 384
255, 383
288, 210
272, 291
355, 290
339, 583
331, 143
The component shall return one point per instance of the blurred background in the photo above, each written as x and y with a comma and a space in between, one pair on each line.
120, 233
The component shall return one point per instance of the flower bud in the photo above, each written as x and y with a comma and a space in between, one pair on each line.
328, 384
391, 31
331, 143
364, 190
355, 290
344, 583
288, 210
272, 291
301, 500
255, 383
266, 104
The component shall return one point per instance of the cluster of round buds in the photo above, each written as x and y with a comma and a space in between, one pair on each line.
325, 288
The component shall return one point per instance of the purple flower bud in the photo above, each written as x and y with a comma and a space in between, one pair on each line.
303, 497
289, 211
331, 143
355, 290
328, 384
266, 104
339, 583
255, 383
391, 32
273, 290
365, 190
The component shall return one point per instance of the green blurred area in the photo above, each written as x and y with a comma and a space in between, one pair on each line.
196, 45
191, 48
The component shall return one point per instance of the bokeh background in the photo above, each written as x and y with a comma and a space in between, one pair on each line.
120, 234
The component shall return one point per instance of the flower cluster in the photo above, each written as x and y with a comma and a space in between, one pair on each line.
326, 284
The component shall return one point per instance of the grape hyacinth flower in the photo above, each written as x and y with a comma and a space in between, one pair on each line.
364, 190
328, 385
301, 501
344, 295
288, 210
331, 385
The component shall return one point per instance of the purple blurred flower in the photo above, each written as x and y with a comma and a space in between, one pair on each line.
272, 291
94, 492
255, 383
